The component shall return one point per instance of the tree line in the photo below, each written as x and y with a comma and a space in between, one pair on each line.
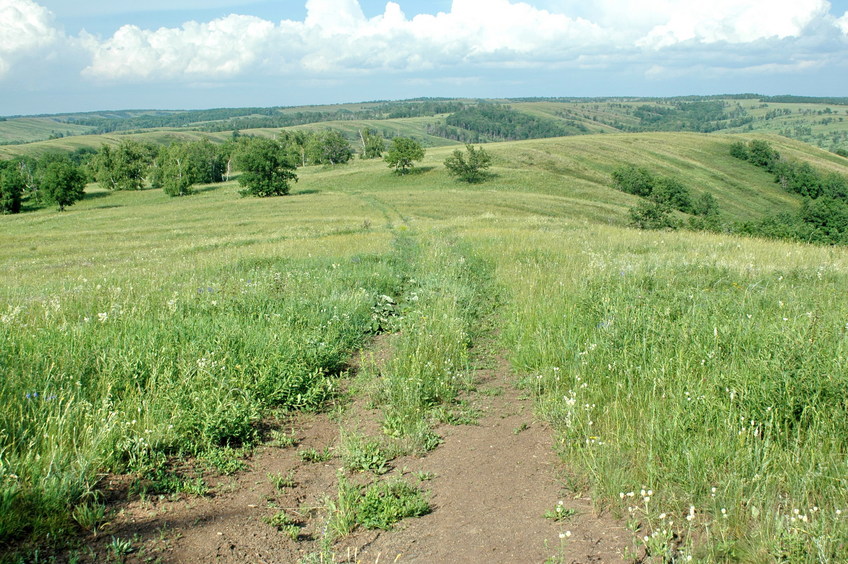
493, 122
267, 166
661, 196
228, 119
823, 217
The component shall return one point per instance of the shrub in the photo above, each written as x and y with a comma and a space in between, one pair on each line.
739, 150
470, 168
652, 215
705, 205
671, 192
634, 180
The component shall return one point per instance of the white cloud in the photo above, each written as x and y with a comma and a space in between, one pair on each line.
221, 48
842, 23
336, 40
336, 37
25, 27
735, 21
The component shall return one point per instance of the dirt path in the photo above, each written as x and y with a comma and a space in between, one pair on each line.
494, 483
490, 486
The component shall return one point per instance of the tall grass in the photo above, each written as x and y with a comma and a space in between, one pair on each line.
118, 377
694, 380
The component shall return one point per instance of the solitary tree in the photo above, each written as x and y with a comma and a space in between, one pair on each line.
469, 166
63, 184
402, 154
266, 168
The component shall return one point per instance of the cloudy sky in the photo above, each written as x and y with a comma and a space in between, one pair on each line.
73, 55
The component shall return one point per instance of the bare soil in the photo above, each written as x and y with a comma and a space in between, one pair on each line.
490, 485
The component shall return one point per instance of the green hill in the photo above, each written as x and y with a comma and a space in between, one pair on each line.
153, 336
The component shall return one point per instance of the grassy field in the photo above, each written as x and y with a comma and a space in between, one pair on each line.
707, 370
25, 130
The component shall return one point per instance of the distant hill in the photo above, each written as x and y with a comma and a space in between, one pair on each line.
819, 121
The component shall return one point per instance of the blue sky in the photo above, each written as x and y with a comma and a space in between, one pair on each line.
63, 55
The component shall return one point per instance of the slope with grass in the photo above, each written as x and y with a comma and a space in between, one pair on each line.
136, 330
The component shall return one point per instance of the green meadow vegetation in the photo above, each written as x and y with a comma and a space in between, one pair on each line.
695, 380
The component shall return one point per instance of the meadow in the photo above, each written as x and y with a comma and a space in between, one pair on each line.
696, 382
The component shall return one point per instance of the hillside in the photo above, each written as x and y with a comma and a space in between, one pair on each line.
211, 375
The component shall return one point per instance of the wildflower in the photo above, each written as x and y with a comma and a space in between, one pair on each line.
102, 317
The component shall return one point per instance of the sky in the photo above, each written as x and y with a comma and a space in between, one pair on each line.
71, 55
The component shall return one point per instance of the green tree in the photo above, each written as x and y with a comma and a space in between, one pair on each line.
469, 166
63, 184
299, 141
402, 154
329, 147
123, 167
762, 154
266, 168
11, 187
373, 144
182, 165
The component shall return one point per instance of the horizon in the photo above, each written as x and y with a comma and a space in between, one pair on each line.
726, 95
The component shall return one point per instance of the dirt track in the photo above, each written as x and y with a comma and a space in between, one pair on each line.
491, 485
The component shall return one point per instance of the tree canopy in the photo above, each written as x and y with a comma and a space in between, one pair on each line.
266, 166
123, 167
11, 187
63, 183
402, 154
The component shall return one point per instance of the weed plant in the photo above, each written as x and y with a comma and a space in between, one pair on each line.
377, 506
